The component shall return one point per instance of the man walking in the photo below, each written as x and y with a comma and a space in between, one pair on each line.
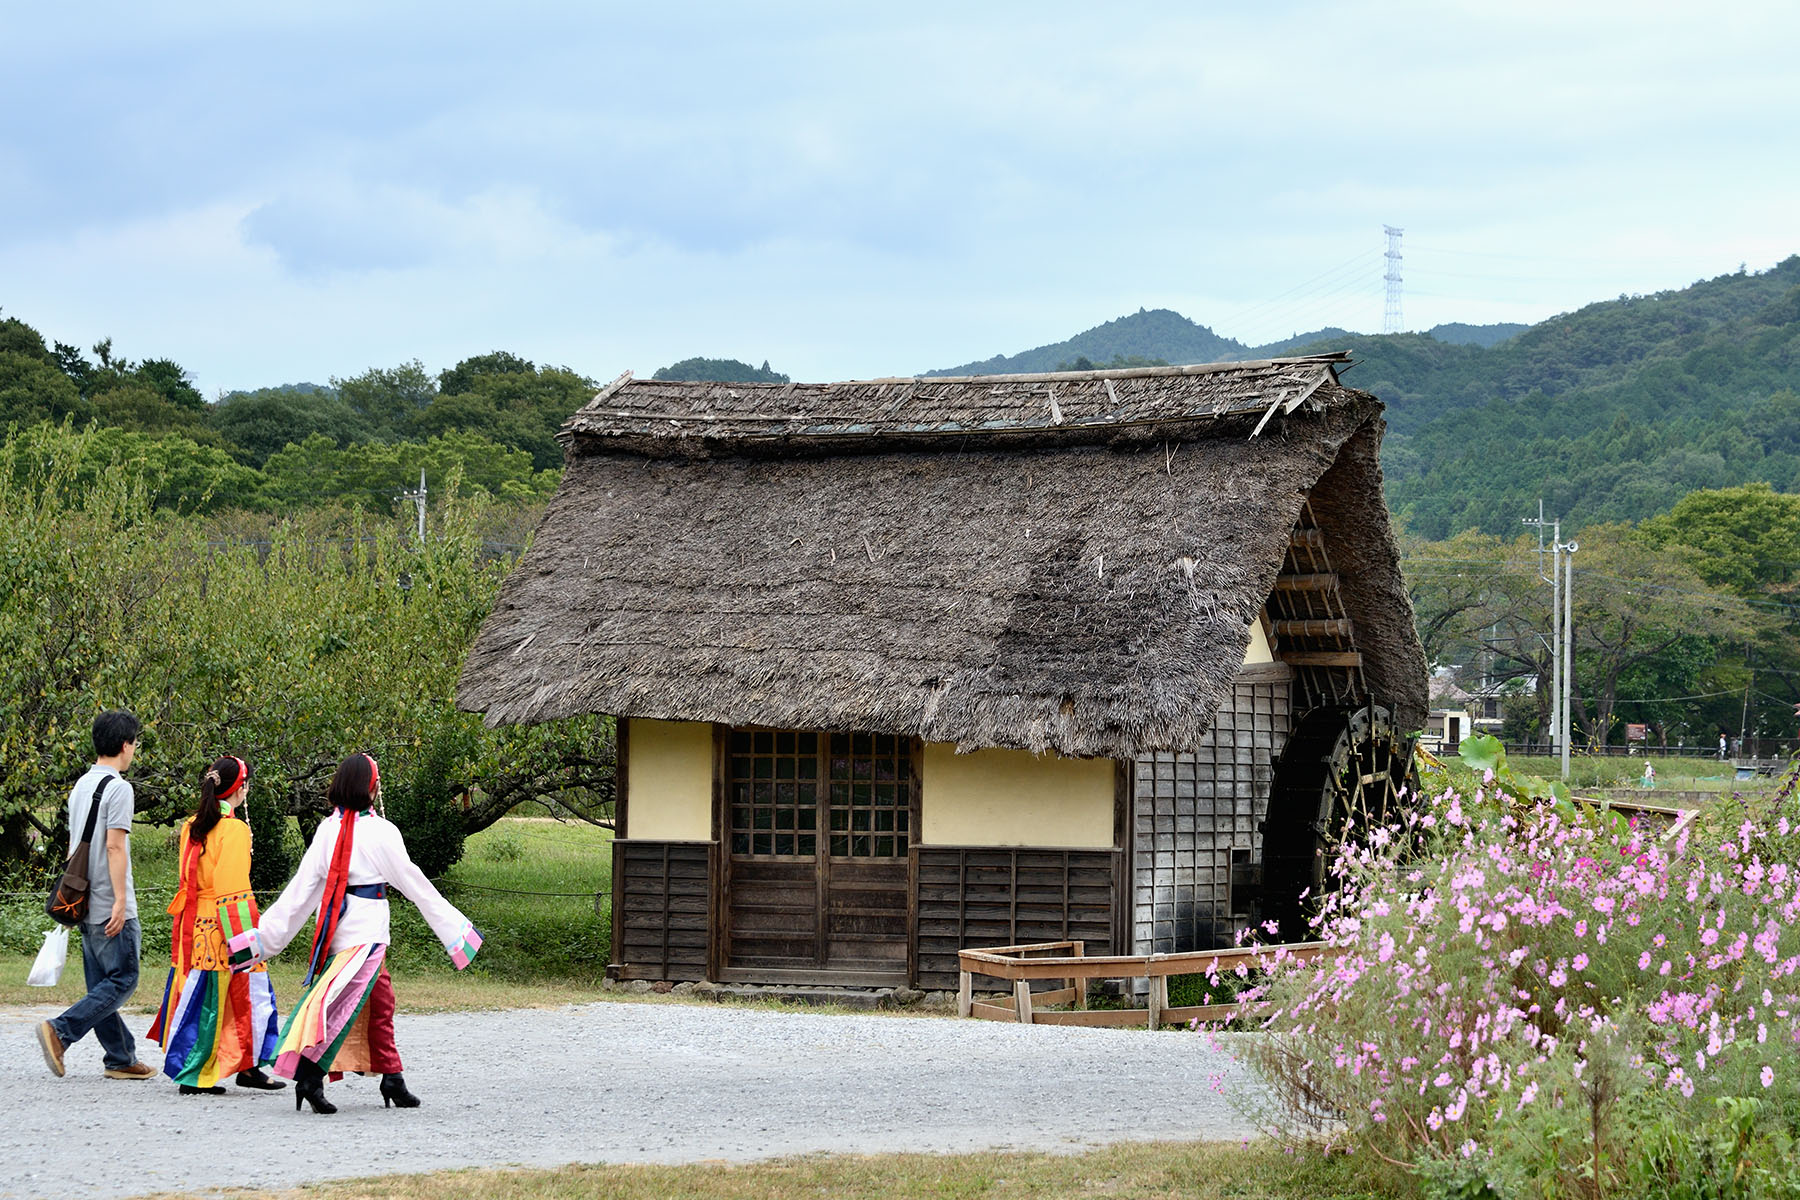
110, 936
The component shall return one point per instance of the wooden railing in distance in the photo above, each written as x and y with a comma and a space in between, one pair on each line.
1020, 965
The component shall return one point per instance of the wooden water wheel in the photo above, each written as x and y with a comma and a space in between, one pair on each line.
1341, 774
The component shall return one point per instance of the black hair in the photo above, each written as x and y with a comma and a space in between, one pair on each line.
222, 776
352, 787
112, 729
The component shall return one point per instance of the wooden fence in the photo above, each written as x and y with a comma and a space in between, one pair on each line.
1067, 963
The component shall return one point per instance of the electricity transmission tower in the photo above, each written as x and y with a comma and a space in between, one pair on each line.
1390, 317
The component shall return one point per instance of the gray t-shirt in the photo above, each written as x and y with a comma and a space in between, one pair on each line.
116, 809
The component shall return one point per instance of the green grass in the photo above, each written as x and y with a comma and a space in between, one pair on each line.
557, 932
1196, 1170
1672, 774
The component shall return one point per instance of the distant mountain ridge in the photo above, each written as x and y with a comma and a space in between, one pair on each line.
1611, 412
1148, 333
1166, 334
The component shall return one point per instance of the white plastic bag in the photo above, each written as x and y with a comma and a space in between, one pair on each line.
48, 968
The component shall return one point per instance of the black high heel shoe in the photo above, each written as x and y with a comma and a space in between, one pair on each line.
254, 1078
188, 1089
309, 1085
393, 1091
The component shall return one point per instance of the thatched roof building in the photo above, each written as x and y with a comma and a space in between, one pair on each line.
1065, 562
907, 665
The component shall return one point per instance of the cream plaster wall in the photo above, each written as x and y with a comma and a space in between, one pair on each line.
1258, 650
1011, 798
669, 778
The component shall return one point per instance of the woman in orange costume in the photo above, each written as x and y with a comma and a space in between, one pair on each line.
215, 1023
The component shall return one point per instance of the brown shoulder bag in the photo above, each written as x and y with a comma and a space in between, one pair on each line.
68, 902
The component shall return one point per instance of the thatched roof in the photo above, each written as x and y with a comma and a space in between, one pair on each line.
1063, 562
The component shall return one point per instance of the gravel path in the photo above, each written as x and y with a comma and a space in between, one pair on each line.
615, 1082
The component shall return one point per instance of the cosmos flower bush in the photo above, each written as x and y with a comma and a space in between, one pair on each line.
1537, 998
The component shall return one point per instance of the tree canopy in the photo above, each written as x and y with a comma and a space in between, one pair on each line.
720, 370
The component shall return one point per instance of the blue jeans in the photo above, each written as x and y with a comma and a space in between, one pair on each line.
111, 964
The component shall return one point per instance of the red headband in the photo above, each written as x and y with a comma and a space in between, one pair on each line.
374, 774
243, 774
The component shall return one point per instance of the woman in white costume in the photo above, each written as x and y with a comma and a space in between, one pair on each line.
345, 1018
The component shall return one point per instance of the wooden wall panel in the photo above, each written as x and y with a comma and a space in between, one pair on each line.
1191, 812
772, 915
1002, 896
866, 909
662, 904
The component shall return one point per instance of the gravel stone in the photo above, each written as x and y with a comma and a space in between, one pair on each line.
619, 1083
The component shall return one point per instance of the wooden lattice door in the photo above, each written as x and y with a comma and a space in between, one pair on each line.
819, 828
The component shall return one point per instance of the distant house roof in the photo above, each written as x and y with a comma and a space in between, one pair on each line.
1065, 562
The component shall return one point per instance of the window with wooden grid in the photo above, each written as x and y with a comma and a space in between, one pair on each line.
788, 789
772, 784
870, 777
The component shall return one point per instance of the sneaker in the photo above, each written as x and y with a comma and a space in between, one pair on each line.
136, 1070
52, 1047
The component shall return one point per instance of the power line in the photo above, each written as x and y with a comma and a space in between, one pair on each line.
1359, 263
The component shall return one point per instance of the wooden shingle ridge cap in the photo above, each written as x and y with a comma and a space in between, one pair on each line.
670, 410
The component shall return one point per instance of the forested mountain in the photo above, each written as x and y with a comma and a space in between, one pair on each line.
1609, 413
1612, 412
1145, 334
1161, 334
1475, 335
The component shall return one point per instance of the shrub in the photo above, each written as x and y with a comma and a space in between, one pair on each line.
503, 849
1533, 999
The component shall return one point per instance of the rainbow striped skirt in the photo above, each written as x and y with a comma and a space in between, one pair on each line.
330, 1026
215, 1024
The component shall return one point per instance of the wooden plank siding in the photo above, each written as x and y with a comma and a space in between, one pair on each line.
1003, 895
661, 909
1192, 811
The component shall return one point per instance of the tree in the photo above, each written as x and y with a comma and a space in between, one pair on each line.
721, 370
523, 409
33, 389
1118, 362
461, 378
16, 337
173, 383
289, 645
269, 419
388, 400
370, 475
1646, 627
168, 472
1450, 580
144, 409
1634, 604
1745, 538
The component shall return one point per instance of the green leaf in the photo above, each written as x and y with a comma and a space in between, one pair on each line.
1483, 752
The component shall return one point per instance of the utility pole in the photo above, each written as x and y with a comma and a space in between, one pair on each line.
1390, 317
418, 498
1554, 579
1744, 721
1568, 654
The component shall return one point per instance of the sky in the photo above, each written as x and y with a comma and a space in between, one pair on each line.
274, 194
